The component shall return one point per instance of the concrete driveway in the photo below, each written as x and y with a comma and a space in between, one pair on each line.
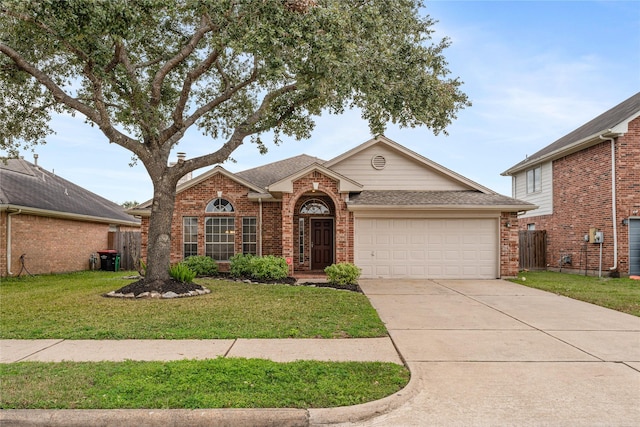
490, 352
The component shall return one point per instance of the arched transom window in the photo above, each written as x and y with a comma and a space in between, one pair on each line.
314, 206
219, 205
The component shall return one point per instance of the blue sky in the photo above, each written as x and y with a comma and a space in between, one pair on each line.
534, 70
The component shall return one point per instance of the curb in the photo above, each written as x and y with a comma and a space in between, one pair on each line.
154, 417
365, 411
314, 417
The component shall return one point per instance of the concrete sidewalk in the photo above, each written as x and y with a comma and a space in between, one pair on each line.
278, 350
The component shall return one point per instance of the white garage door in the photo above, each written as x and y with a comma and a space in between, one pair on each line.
427, 248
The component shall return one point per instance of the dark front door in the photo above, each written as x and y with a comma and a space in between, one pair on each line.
321, 243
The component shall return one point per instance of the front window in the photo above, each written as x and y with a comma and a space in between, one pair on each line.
534, 179
249, 236
314, 206
190, 236
219, 205
219, 236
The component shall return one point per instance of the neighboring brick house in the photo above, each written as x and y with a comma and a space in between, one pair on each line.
585, 182
381, 206
52, 223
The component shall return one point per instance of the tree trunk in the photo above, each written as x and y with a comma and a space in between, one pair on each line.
159, 238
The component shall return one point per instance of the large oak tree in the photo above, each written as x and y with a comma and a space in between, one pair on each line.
145, 71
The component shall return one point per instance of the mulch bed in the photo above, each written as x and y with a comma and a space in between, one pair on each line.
138, 287
159, 286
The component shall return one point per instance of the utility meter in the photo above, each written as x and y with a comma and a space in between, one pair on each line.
598, 237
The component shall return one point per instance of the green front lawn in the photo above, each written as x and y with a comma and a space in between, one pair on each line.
618, 294
215, 383
71, 306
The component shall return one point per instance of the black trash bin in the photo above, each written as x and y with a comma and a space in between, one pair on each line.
109, 260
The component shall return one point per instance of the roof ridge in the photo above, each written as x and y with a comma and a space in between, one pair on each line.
607, 120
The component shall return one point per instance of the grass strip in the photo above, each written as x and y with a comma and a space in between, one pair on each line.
72, 306
190, 384
621, 294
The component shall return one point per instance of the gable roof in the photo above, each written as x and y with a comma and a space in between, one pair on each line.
613, 122
265, 182
345, 185
33, 190
381, 139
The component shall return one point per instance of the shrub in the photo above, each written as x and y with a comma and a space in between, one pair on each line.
201, 265
343, 273
182, 273
269, 268
240, 265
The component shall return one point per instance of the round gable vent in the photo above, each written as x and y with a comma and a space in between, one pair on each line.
378, 162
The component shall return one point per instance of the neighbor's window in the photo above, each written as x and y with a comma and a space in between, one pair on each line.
250, 235
219, 205
190, 236
301, 240
219, 236
314, 206
531, 227
534, 178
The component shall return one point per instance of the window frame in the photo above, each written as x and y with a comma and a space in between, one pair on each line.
533, 181
324, 208
189, 227
219, 205
253, 222
301, 240
224, 248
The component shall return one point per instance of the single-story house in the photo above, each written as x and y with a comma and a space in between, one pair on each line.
587, 188
389, 210
50, 225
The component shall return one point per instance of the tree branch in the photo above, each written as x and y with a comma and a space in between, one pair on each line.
62, 97
161, 74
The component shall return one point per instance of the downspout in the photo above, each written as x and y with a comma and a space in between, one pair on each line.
259, 237
613, 200
9, 273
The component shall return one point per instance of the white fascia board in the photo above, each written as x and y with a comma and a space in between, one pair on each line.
569, 149
203, 177
497, 208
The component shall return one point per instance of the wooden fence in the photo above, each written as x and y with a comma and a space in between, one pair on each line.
127, 243
533, 250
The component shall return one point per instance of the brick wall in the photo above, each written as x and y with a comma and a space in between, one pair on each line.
582, 198
51, 245
509, 256
343, 220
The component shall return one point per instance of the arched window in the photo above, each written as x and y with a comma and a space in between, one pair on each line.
314, 206
219, 205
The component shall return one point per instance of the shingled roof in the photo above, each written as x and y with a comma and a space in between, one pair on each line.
605, 123
263, 176
436, 198
34, 190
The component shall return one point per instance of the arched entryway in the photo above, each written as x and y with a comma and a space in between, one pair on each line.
314, 231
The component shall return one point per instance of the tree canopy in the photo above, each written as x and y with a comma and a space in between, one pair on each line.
145, 71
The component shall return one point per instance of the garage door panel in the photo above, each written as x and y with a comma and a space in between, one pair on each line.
433, 248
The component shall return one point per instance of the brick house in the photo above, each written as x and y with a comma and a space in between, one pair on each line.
385, 208
584, 183
52, 224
